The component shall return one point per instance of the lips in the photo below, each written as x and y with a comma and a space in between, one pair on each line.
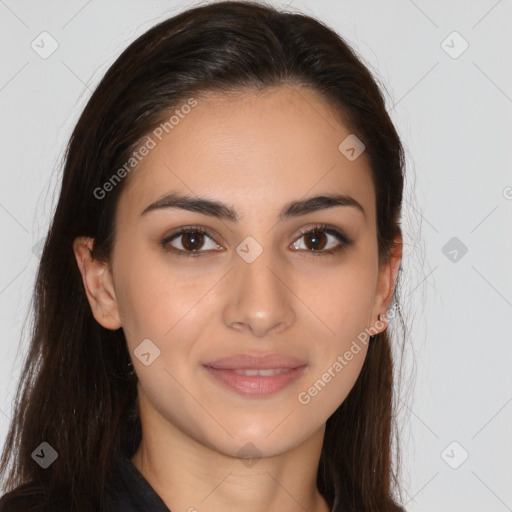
253, 362
251, 375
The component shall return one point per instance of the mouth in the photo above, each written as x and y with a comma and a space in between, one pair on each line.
270, 372
250, 375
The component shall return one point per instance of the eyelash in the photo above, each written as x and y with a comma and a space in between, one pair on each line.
340, 236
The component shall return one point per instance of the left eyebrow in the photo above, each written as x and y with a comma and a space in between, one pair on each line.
224, 211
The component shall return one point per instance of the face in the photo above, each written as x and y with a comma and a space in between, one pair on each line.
298, 283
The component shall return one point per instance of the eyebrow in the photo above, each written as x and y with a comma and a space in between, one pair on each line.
224, 211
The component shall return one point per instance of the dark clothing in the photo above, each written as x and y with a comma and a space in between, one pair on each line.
131, 492
127, 491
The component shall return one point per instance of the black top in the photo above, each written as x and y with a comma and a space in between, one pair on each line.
127, 491
131, 492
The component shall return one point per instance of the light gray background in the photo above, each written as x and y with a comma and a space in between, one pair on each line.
454, 116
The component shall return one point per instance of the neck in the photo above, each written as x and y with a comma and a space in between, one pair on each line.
190, 476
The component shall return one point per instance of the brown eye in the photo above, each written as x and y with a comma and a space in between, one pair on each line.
189, 241
317, 239
192, 241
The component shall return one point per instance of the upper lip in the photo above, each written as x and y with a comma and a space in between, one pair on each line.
248, 361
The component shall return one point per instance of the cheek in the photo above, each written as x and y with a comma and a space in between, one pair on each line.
341, 300
342, 304
153, 296
340, 350
328, 388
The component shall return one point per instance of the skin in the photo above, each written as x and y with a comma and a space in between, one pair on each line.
256, 152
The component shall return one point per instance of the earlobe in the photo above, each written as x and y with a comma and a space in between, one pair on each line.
98, 284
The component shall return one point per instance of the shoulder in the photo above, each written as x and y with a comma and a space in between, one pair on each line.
26, 498
11, 503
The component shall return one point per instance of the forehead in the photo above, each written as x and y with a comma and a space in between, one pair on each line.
256, 150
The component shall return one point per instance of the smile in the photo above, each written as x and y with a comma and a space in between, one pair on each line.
255, 382
265, 373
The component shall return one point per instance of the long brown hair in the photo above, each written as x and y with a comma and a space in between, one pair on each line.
76, 391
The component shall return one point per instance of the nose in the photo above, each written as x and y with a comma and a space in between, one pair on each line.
261, 297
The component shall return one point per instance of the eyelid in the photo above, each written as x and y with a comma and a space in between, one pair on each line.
326, 228
184, 230
331, 230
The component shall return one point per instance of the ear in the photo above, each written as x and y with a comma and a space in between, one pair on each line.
386, 281
98, 284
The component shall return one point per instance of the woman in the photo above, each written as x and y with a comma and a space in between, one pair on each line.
210, 328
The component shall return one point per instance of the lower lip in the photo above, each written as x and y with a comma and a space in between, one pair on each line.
255, 385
